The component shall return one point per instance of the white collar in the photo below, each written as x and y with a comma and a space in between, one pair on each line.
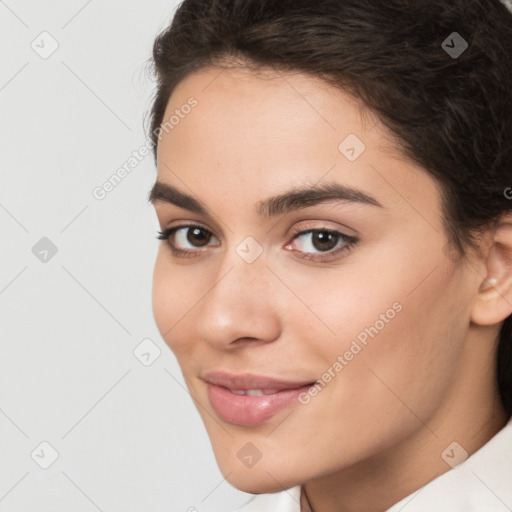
507, 4
482, 483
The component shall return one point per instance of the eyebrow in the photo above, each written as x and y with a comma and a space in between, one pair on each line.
294, 199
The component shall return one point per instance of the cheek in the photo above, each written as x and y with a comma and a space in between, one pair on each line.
162, 301
177, 294
407, 363
397, 332
170, 299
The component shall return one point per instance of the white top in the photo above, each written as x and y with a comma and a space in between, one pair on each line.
482, 483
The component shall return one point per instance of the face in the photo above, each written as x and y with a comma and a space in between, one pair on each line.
334, 304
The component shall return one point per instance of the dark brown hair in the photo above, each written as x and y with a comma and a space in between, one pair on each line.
451, 114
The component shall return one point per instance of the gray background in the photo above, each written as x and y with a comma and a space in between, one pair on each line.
128, 436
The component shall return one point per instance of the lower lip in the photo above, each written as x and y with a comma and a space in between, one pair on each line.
250, 410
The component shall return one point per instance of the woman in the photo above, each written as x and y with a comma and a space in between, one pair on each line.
335, 272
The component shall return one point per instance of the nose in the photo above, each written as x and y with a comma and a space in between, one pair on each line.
241, 305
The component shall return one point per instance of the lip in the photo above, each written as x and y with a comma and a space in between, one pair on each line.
251, 381
251, 410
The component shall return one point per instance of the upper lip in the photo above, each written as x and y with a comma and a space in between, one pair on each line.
251, 381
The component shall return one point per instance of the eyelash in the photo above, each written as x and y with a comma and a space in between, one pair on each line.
350, 242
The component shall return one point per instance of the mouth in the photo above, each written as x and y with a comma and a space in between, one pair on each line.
255, 392
249, 399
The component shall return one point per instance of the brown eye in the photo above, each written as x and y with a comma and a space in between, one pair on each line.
184, 239
319, 240
324, 240
198, 236
321, 244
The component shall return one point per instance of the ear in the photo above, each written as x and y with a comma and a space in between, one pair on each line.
494, 300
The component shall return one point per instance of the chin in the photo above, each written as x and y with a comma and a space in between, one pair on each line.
254, 486
258, 480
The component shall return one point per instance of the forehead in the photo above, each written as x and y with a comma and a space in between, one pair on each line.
260, 132
298, 101
241, 111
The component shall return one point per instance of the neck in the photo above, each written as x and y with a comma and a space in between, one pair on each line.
471, 415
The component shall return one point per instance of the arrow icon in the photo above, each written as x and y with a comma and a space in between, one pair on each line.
147, 352
249, 455
454, 454
351, 147
44, 250
44, 455
44, 44
249, 253
454, 45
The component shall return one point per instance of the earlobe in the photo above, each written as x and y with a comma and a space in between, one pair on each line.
493, 302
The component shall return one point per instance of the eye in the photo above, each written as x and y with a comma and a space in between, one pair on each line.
321, 243
179, 236
313, 244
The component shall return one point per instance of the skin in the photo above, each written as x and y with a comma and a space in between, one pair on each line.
376, 432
